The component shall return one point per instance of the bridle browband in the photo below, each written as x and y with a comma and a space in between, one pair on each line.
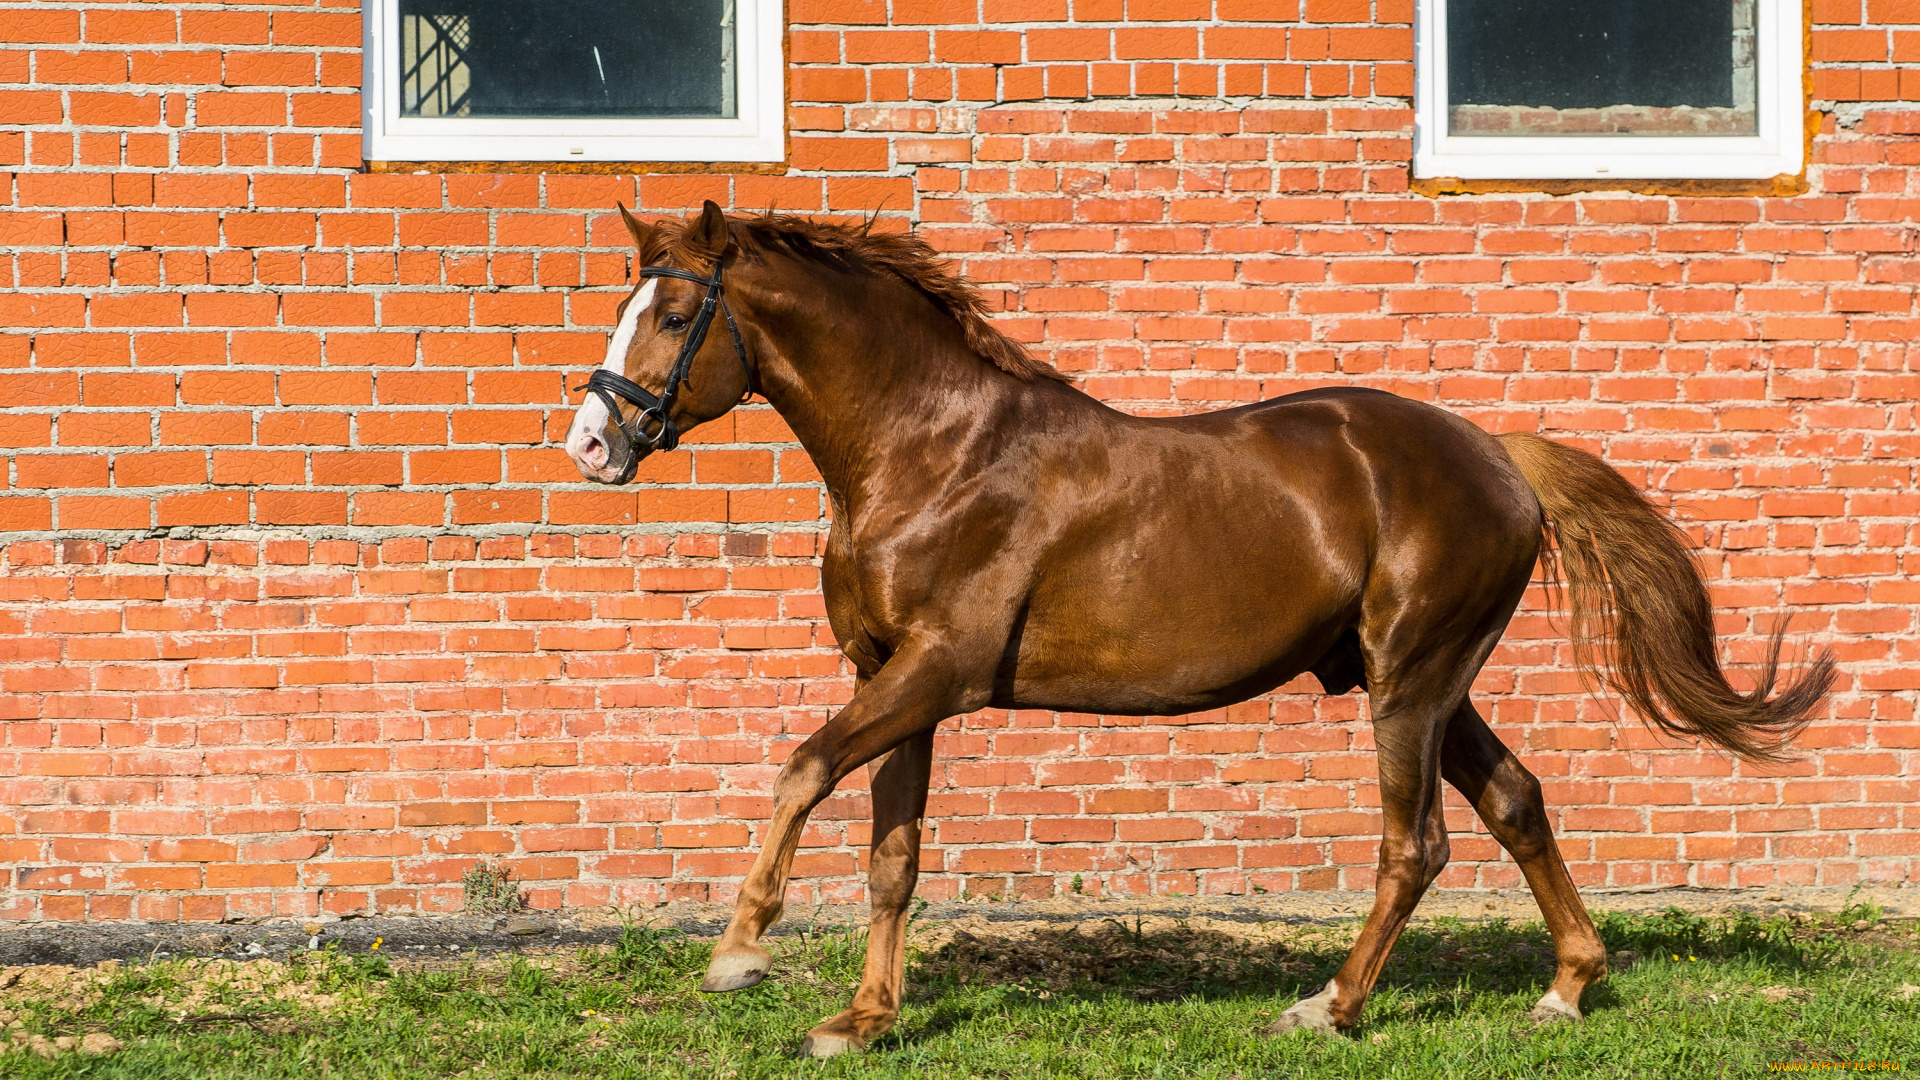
610, 387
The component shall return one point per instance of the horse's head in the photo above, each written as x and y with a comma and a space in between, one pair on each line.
676, 359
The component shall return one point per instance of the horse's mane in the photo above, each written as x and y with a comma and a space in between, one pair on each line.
905, 255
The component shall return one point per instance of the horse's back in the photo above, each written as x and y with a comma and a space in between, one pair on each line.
1417, 457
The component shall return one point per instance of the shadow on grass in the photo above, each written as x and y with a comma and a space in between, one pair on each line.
1437, 965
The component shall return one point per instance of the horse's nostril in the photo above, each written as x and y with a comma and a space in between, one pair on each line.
594, 452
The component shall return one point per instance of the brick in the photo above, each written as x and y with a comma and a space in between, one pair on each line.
42, 27
240, 109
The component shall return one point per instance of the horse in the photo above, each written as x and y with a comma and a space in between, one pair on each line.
1001, 539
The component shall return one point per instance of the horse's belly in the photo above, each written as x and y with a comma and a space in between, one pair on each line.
1119, 694
1142, 659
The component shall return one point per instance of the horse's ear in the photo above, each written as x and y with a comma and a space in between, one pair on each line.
709, 235
640, 233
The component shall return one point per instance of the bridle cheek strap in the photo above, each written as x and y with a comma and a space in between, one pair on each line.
657, 412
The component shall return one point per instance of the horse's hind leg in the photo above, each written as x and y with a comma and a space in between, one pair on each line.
1413, 851
899, 802
1507, 798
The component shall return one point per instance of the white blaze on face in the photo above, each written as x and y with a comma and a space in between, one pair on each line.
629, 324
593, 417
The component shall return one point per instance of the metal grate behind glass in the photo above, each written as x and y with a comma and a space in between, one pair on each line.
434, 77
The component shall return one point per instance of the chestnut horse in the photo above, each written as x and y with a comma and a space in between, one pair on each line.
1001, 539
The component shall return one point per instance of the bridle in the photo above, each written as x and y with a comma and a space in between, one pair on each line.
610, 387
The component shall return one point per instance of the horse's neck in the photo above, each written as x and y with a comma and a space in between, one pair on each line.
869, 396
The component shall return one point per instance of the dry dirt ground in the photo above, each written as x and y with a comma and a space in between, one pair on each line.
447, 936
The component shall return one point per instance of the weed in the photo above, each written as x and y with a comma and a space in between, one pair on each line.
1867, 911
489, 889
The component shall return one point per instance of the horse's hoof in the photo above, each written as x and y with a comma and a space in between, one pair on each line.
1309, 1014
1304, 1017
736, 971
1553, 1009
846, 1032
822, 1045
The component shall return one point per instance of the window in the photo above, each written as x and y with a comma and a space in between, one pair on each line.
574, 80
1628, 89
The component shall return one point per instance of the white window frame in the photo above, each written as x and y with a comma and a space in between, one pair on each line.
1777, 149
758, 133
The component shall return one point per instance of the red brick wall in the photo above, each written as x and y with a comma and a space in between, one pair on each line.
301, 607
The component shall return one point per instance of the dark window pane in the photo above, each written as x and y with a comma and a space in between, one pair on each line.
567, 58
1642, 66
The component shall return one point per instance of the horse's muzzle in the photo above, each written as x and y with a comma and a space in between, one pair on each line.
606, 456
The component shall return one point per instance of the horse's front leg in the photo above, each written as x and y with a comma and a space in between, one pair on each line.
893, 865
918, 688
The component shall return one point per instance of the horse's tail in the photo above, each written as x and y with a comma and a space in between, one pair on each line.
1631, 577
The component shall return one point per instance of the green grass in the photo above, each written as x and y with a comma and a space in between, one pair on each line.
1702, 996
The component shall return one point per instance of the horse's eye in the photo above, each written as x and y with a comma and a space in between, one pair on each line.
672, 322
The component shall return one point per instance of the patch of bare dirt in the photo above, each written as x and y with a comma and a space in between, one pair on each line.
191, 991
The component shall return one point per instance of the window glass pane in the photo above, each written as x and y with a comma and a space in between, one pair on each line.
567, 58
1639, 67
